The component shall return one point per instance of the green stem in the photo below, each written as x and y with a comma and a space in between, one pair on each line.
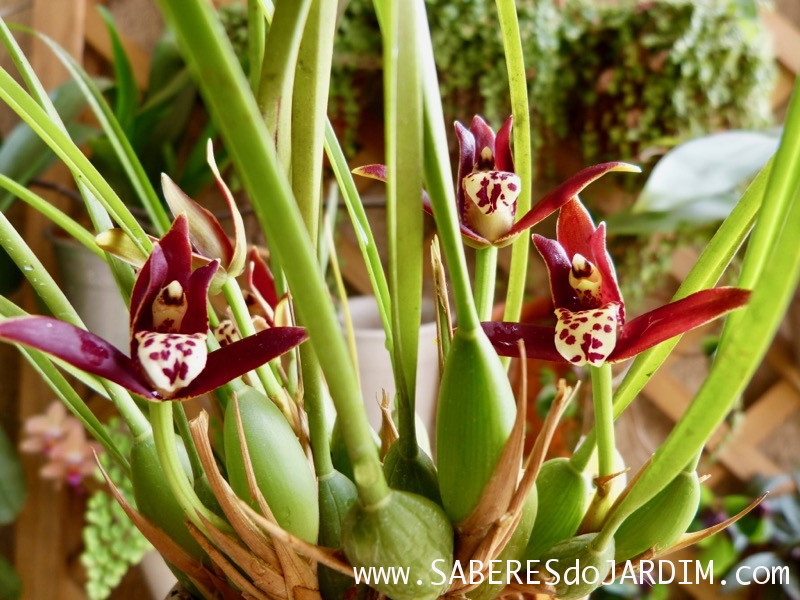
485, 277
164, 435
523, 160
439, 182
277, 73
603, 418
712, 262
227, 94
266, 377
256, 38
314, 403
191, 450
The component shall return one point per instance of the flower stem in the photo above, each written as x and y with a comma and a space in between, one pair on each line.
603, 418
523, 160
164, 435
485, 276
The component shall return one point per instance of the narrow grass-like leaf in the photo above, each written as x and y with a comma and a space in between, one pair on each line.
403, 107
364, 237
23, 155
115, 132
58, 140
58, 218
523, 161
126, 101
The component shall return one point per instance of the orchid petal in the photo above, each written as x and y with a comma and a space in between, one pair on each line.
177, 251
117, 242
77, 347
587, 336
565, 192
260, 280
484, 139
609, 290
235, 265
539, 340
196, 319
226, 333
558, 267
503, 159
171, 361
676, 318
242, 356
578, 235
205, 231
466, 162
149, 282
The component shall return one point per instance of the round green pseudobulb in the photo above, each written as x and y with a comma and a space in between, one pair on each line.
337, 495
474, 418
416, 474
580, 568
402, 531
563, 498
282, 471
662, 520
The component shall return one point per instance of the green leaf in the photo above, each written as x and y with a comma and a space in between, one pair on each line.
126, 101
709, 169
12, 482
23, 154
115, 137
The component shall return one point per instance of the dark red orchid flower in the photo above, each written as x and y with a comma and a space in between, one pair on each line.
487, 187
266, 308
168, 359
590, 313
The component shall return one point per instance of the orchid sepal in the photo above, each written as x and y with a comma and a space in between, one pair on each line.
205, 231
117, 243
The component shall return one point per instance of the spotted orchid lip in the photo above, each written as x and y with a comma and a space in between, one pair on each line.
633, 337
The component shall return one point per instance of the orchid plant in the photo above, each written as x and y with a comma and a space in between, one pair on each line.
249, 503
